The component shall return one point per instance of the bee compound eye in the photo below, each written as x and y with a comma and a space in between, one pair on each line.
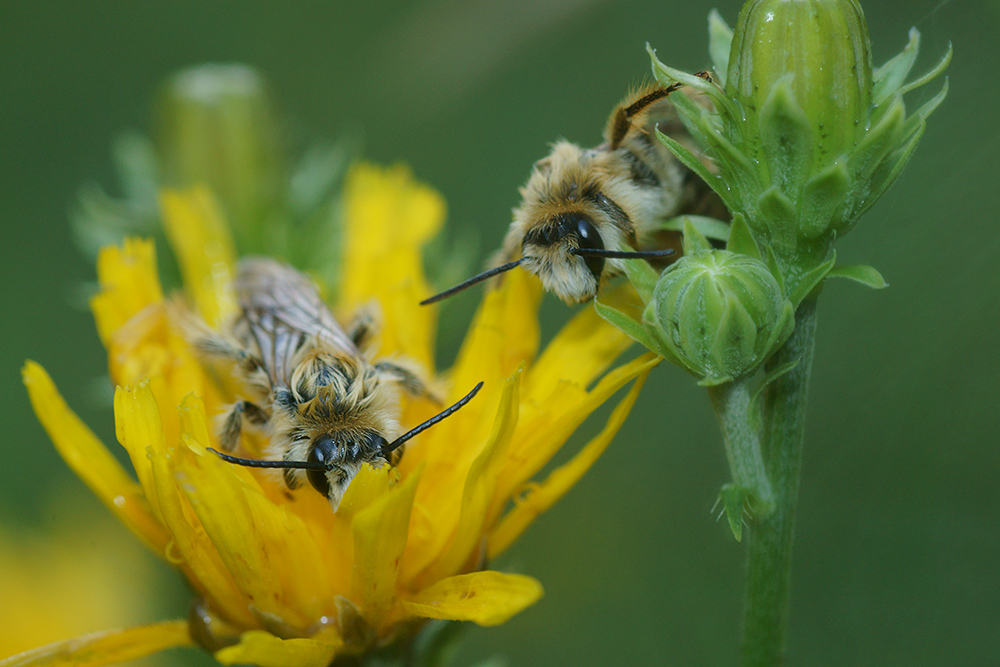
321, 452
590, 238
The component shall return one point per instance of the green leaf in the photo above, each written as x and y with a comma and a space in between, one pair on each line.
712, 228
643, 278
741, 241
734, 500
889, 77
694, 240
781, 216
880, 140
811, 279
931, 74
630, 327
860, 273
887, 172
689, 160
720, 41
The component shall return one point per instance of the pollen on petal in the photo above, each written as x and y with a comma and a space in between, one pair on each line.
486, 598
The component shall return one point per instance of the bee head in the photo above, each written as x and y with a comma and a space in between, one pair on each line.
335, 459
555, 252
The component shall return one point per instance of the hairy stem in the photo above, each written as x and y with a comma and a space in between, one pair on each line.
731, 402
769, 557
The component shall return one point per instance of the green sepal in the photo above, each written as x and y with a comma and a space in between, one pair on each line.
811, 279
668, 74
823, 200
888, 78
633, 329
689, 160
786, 138
741, 241
735, 500
694, 240
730, 340
880, 140
889, 170
712, 228
931, 74
781, 216
860, 273
720, 41
643, 278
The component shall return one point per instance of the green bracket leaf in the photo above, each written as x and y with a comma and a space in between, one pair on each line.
694, 240
811, 279
630, 327
720, 41
688, 159
860, 273
890, 76
735, 500
711, 228
741, 241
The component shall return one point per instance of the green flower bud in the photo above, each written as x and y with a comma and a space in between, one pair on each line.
805, 135
802, 71
217, 129
718, 314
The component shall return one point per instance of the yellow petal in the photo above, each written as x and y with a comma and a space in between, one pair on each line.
106, 647
268, 550
537, 443
380, 533
388, 218
129, 283
486, 598
581, 350
191, 549
264, 649
562, 479
91, 461
204, 249
140, 431
478, 491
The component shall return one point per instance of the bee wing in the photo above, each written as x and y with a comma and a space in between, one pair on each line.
281, 312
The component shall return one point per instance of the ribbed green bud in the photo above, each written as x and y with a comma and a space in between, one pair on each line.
217, 129
718, 314
802, 71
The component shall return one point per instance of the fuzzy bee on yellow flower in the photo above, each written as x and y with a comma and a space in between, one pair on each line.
325, 407
584, 212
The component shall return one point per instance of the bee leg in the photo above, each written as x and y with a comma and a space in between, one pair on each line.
407, 379
362, 328
232, 424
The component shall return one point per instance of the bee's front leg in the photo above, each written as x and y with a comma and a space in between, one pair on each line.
232, 424
408, 379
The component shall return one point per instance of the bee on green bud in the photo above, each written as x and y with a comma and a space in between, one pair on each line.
718, 314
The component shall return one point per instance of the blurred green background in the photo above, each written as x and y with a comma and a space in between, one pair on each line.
897, 559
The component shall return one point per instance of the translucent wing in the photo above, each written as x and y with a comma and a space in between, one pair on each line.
281, 311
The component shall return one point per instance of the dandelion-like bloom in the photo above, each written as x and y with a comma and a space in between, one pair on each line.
279, 578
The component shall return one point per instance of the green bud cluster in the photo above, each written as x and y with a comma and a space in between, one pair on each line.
805, 134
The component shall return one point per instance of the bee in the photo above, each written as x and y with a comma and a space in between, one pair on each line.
583, 212
325, 407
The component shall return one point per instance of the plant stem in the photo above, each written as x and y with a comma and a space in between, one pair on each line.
731, 402
769, 556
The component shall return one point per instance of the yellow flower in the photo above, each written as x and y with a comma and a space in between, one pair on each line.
280, 579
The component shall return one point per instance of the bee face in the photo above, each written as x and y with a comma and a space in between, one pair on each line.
548, 252
341, 459
583, 206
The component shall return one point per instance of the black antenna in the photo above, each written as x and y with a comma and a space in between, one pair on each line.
395, 444
470, 282
622, 254
256, 463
